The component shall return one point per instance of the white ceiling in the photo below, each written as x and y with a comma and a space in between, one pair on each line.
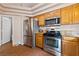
28, 5
24, 6
30, 9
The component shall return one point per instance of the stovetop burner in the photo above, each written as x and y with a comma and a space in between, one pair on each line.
53, 34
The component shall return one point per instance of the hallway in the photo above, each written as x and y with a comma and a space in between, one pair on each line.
8, 50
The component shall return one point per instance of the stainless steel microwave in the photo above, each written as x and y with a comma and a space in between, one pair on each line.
53, 21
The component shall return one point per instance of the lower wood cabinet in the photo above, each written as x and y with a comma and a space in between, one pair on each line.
39, 40
70, 48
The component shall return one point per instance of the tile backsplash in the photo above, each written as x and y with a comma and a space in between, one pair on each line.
68, 30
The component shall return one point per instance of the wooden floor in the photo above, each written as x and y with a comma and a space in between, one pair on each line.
8, 50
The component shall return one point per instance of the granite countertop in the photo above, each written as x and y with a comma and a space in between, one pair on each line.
68, 33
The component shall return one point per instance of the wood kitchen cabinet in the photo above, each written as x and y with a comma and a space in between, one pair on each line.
39, 40
41, 20
70, 47
43, 17
67, 15
76, 13
55, 13
47, 15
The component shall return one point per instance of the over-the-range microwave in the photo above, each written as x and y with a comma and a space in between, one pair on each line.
52, 21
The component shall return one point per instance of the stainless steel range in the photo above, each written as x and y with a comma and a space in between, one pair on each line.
52, 42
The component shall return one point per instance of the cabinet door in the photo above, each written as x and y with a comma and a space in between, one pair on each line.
67, 15
76, 13
41, 20
39, 40
69, 48
48, 15
55, 13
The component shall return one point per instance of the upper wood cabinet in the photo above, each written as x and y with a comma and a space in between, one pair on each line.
55, 13
76, 13
41, 20
67, 15
43, 17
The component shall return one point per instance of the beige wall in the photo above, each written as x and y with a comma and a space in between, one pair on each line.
17, 29
17, 26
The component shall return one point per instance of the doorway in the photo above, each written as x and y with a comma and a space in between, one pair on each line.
6, 30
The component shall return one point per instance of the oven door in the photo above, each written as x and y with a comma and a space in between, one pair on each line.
53, 43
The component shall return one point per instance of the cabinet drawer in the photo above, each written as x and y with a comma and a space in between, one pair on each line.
39, 35
71, 39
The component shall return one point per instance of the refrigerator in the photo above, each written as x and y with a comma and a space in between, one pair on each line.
30, 29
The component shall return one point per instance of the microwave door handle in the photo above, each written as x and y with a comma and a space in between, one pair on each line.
56, 20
